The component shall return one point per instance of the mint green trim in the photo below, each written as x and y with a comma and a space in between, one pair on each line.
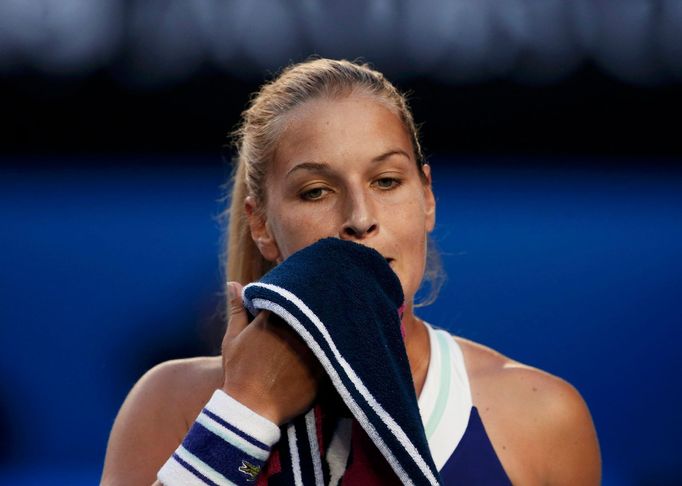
443, 388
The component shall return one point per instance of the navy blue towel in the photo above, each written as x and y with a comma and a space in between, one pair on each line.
342, 299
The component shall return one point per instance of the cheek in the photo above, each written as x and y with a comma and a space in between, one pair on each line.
415, 272
294, 230
409, 244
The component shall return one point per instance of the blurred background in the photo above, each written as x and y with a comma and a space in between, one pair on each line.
553, 129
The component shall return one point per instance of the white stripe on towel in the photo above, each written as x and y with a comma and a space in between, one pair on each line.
339, 450
314, 447
295, 459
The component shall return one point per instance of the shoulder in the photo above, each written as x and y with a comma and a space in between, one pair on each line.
182, 384
490, 371
156, 415
533, 417
183, 378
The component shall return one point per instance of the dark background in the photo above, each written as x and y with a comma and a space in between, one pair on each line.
552, 128
588, 112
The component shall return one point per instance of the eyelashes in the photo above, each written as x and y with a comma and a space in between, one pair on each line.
314, 194
388, 183
320, 192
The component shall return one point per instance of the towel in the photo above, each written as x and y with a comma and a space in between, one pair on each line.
343, 300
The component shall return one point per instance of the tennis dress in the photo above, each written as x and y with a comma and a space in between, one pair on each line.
457, 438
229, 444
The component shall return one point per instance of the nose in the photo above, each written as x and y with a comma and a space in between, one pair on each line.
360, 221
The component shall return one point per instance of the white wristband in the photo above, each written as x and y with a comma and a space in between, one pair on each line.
228, 444
240, 416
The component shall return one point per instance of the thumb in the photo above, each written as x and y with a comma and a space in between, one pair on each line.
237, 319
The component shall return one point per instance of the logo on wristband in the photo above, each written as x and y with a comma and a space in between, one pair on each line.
250, 470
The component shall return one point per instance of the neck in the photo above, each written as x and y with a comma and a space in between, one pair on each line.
417, 346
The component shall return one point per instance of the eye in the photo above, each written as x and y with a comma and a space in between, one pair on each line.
387, 182
313, 194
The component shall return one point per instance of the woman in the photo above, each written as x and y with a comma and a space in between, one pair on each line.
329, 148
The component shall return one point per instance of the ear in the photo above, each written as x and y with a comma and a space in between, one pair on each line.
260, 231
429, 199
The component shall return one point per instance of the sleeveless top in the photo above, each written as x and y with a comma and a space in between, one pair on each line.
457, 438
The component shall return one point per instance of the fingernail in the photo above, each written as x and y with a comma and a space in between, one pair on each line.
231, 290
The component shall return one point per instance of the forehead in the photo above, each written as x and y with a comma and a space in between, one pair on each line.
353, 128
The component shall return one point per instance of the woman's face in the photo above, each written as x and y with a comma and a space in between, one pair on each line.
345, 168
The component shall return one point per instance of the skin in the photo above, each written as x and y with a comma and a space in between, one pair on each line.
345, 168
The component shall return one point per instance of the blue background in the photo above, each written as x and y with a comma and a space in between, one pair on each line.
574, 267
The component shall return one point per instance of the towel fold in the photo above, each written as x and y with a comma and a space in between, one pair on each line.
342, 299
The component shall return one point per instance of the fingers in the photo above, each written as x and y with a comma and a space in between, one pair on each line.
237, 318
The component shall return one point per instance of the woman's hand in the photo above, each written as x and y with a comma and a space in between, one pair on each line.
266, 365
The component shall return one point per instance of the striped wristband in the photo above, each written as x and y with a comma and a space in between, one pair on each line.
227, 444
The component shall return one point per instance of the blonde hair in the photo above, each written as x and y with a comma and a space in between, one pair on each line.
255, 140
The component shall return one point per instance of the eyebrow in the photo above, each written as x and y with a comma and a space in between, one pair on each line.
324, 167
